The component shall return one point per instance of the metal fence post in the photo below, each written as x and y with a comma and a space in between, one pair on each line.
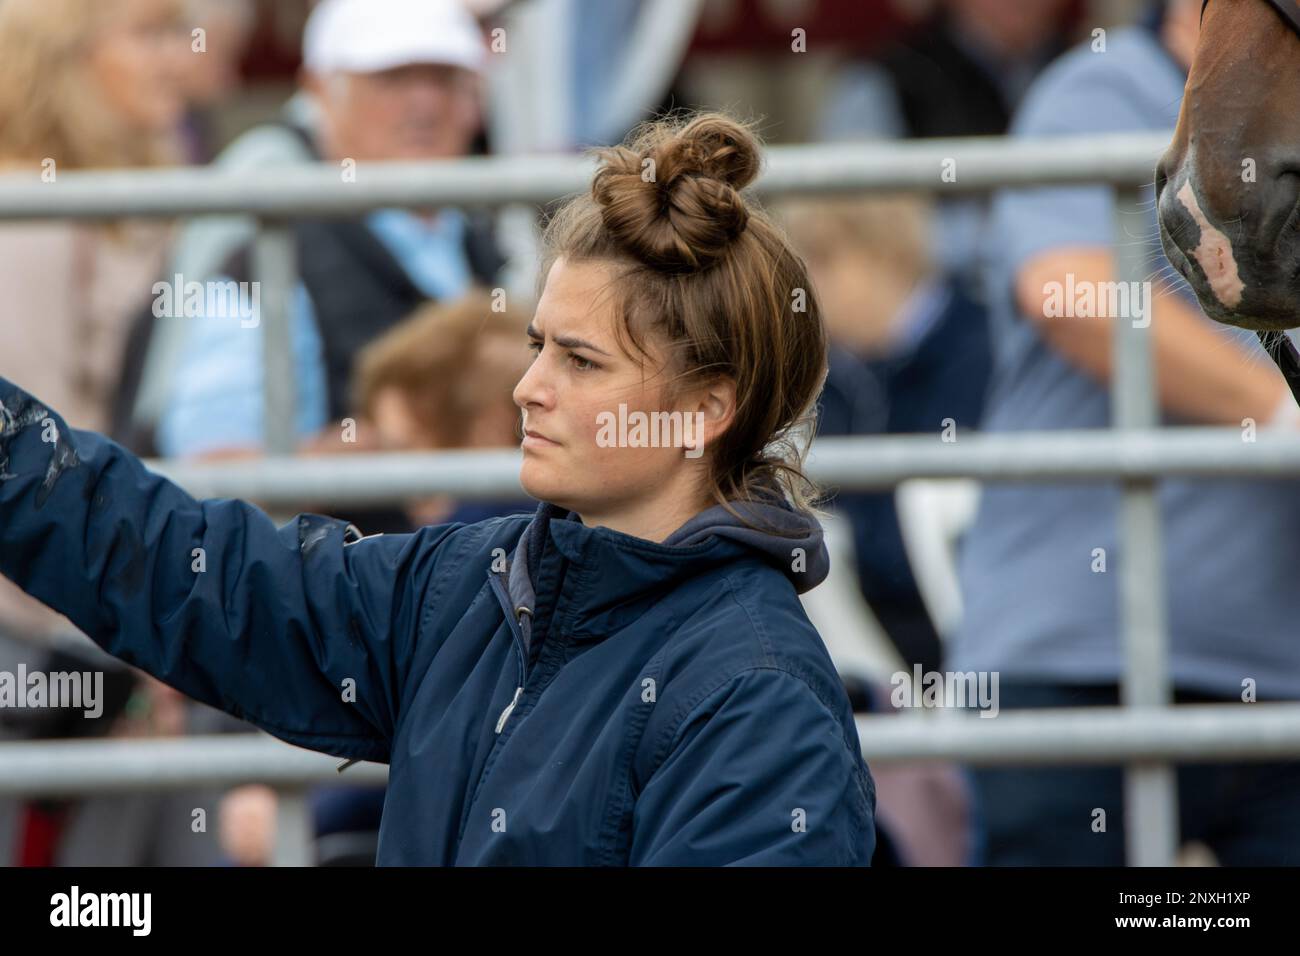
293, 829
1150, 788
275, 274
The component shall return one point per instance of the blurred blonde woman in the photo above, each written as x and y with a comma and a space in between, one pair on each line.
83, 84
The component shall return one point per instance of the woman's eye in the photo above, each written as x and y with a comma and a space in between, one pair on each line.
579, 363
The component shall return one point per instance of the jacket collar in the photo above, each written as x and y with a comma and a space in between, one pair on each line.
611, 576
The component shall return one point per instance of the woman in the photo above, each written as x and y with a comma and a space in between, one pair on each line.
87, 84
624, 677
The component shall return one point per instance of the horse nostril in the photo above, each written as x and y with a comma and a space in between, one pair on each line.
1291, 196
1283, 204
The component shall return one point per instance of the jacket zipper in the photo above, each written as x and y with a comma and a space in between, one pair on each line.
512, 619
518, 637
501, 721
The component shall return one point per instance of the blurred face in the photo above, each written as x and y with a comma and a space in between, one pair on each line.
1015, 27
156, 710
213, 74
859, 294
135, 64
414, 112
571, 395
495, 365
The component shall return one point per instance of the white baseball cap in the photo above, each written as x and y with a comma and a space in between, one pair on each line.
367, 36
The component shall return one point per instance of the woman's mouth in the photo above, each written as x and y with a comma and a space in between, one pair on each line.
535, 439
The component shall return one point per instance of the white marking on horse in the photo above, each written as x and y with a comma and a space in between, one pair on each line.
1213, 253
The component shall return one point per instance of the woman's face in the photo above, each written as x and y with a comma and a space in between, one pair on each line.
575, 454
136, 63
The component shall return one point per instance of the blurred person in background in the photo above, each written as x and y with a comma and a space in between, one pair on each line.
83, 85
386, 80
960, 71
89, 85
909, 349
211, 76
33, 828
173, 827
146, 828
247, 823
1040, 565
86, 85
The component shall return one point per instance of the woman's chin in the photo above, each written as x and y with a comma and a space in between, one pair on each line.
540, 481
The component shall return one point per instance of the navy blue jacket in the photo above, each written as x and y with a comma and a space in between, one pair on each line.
544, 692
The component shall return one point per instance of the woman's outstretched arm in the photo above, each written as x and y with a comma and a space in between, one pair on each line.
296, 629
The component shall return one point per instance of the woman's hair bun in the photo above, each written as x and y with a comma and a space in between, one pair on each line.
671, 196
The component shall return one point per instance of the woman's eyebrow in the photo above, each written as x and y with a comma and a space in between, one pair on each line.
566, 341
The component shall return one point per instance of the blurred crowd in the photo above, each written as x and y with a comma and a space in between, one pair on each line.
402, 339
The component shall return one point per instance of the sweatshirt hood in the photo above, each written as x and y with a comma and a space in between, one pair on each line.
791, 541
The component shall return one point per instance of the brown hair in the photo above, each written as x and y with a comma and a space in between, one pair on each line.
442, 361
703, 269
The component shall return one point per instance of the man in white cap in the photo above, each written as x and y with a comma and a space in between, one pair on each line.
381, 80
395, 79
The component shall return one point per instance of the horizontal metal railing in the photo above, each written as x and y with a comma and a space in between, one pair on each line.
847, 463
1191, 733
972, 165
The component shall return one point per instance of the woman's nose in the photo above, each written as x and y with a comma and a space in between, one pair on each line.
531, 388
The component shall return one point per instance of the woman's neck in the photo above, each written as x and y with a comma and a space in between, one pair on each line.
652, 519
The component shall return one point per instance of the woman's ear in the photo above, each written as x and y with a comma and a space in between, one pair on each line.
713, 408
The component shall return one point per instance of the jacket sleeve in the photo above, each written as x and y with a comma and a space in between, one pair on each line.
297, 630
759, 773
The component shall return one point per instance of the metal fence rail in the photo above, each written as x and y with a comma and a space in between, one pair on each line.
972, 165
848, 463
1146, 733
1191, 733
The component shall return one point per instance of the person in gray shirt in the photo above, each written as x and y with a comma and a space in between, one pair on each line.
1040, 564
